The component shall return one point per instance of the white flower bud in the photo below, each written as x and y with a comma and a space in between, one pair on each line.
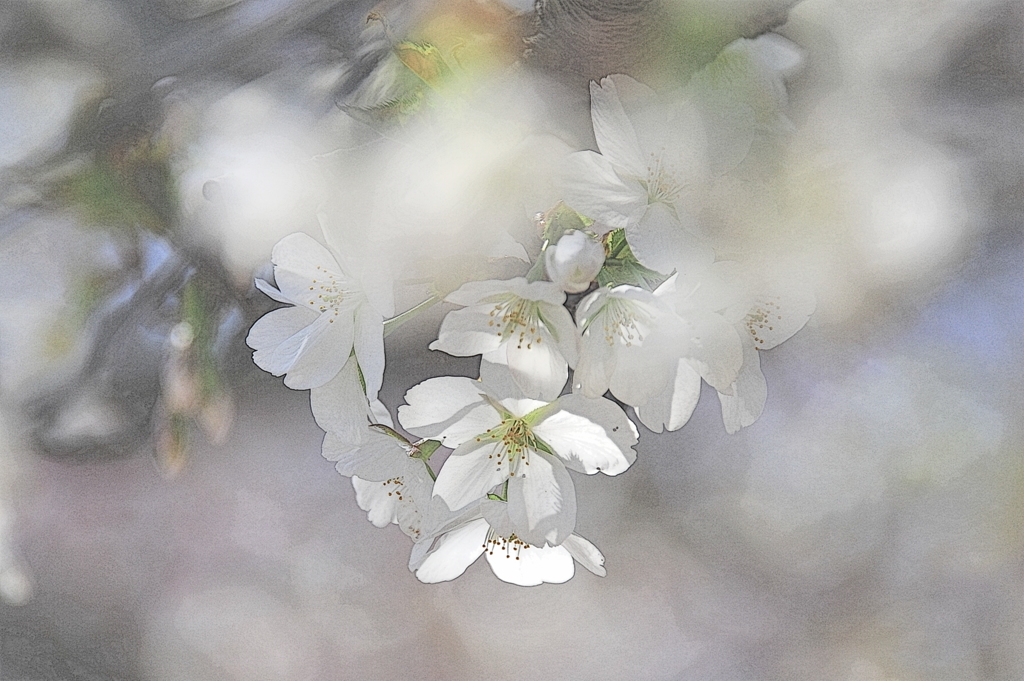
574, 261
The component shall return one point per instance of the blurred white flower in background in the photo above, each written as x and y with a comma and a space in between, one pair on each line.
246, 170
647, 175
454, 187
38, 98
765, 313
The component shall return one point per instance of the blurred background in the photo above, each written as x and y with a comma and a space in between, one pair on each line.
164, 509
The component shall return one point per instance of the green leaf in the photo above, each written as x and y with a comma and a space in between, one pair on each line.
622, 267
500, 497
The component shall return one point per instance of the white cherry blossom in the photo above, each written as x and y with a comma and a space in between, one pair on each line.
645, 179
729, 313
651, 350
523, 442
707, 346
392, 483
765, 316
627, 343
510, 558
333, 315
516, 323
391, 480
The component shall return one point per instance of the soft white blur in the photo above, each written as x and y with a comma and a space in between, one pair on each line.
247, 175
38, 98
866, 528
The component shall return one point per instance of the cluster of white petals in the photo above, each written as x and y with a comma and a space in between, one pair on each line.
621, 299
526, 443
333, 314
520, 324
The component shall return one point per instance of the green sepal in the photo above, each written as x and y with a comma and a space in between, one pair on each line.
388, 430
498, 407
430, 471
359, 370
427, 448
500, 497
541, 413
562, 219
622, 267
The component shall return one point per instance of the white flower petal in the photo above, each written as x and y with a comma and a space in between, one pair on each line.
730, 126
272, 292
376, 283
531, 565
380, 414
273, 329
477, 292
596, 365
665, 241
310, 355
590, 435
469, 473
439, 403
420, 550
542, 500
417, 510
299, 260
642, 374
496, 377
377, 458
585, 553
749, 393
672, 408
496, 514
453, 553
616, 137
775, 317
521, 406
539, 370
336, 448
715, 348
591, 187
372, 497
537, 291
476, 421
369, 348
339, 406
467, 332
562, 329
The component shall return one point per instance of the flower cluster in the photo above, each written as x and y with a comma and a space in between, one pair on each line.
619, 298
